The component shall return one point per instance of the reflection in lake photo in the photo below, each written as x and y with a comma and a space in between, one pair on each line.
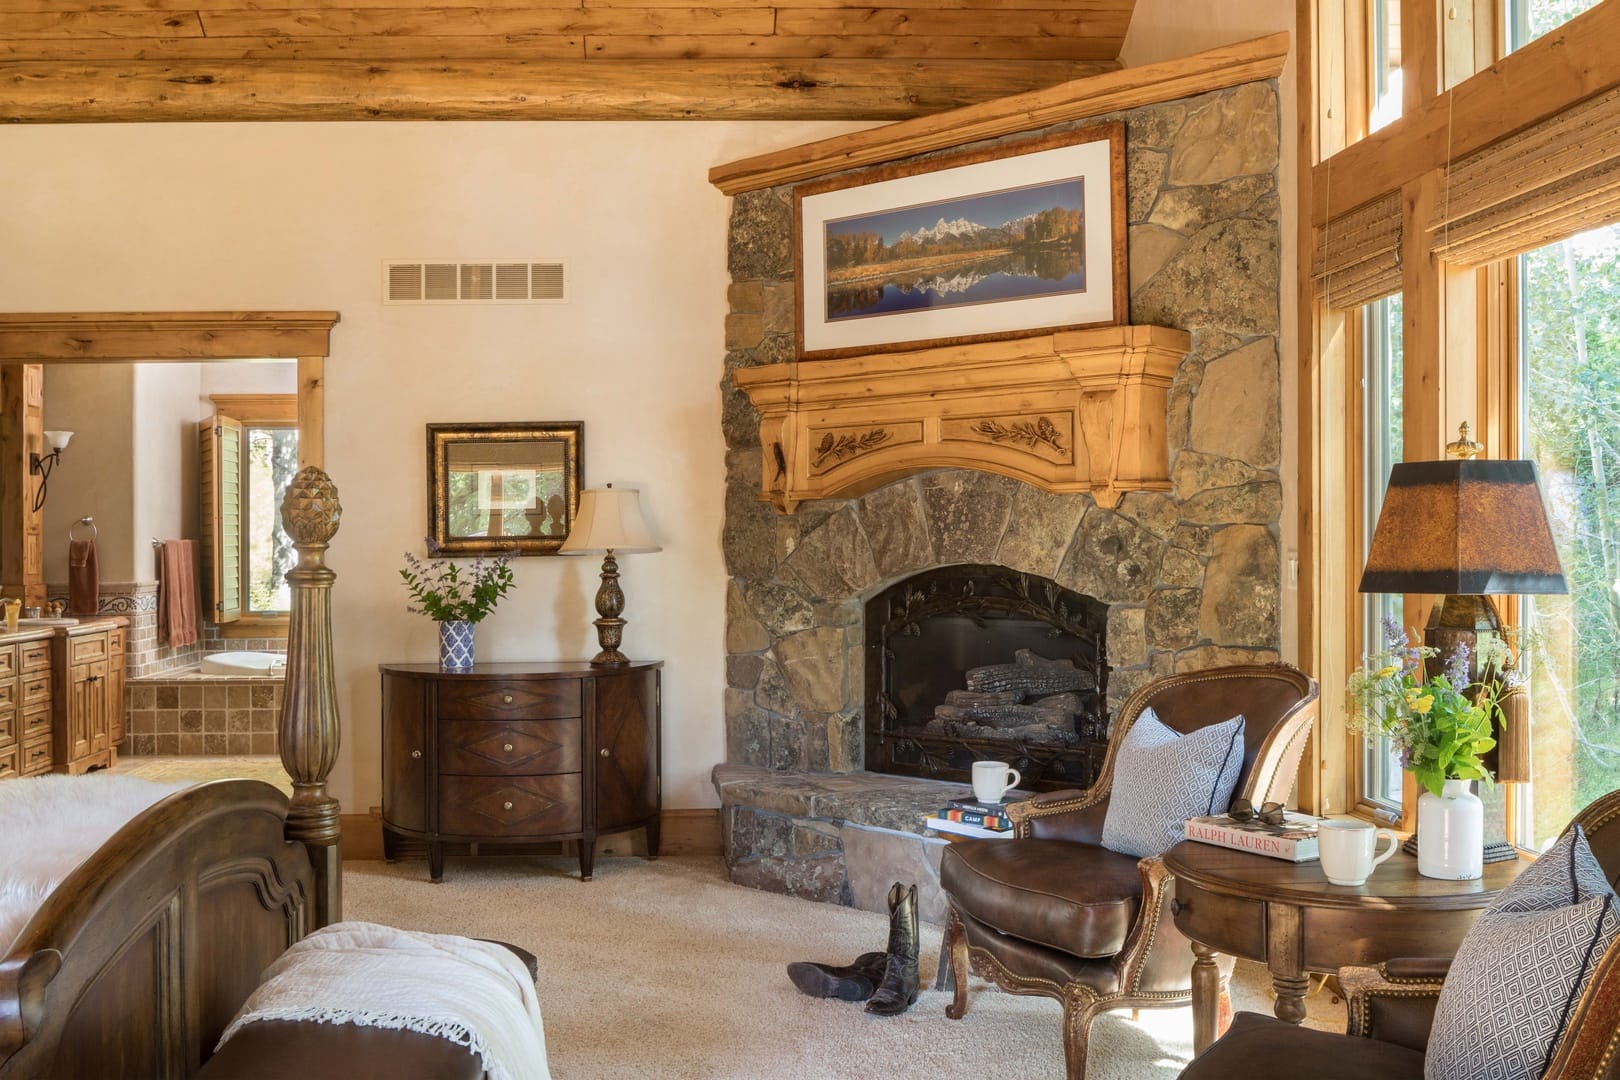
1009, 276
1002, 245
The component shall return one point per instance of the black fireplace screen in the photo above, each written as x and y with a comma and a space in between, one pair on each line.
966, 663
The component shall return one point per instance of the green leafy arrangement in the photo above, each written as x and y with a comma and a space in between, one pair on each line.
444, 593
1440, 728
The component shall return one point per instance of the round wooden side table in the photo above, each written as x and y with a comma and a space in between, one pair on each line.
1287, 916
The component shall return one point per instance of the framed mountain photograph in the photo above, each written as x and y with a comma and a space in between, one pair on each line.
1000, 242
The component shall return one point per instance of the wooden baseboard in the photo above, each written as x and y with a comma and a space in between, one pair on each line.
683, 832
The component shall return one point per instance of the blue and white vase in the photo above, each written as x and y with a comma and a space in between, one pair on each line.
455, 646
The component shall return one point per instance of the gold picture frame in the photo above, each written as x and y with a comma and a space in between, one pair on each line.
503, 488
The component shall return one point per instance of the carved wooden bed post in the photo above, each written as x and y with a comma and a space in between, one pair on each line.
309, 712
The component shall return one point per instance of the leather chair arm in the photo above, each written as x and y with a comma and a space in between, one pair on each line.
1073, 814
1394, 1002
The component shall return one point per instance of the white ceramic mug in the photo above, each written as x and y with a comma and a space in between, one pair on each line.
993, 779
1346, 849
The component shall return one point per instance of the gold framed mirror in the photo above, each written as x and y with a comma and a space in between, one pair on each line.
503, 488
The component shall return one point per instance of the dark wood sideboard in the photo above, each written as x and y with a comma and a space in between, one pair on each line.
520, 753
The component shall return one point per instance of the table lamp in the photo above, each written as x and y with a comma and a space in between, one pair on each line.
608, 521
1466, 529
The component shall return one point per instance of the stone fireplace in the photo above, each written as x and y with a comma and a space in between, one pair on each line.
1180, 579
973, 662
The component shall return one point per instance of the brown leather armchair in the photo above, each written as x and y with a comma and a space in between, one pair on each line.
1391, 1009
1050, 911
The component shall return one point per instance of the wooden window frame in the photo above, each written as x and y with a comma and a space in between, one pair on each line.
255, 411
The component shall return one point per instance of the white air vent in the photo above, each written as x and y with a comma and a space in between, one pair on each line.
489, 281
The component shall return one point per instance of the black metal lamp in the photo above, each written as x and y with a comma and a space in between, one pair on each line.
1467, 529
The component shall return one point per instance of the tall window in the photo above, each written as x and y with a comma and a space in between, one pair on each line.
1385, 56
247, 456
268, 467
1381, 448
1570, 378
1529, 19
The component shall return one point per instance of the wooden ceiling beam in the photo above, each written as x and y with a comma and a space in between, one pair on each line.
1215, 69
1548, 76
262, 90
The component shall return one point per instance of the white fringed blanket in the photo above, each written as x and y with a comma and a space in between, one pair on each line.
50, 824
474, 993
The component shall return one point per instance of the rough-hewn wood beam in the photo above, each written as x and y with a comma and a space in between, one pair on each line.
64, 92
1128, 88
97, 337
1546, 77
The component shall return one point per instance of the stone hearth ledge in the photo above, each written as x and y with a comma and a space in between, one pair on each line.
839, 838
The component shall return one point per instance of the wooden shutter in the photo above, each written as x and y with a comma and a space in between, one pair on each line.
1358, 254
1545, 184
219, 510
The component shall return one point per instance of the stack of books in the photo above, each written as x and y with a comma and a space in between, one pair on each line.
968, 817
1292, 841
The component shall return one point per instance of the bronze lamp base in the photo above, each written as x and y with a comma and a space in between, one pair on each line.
609, 604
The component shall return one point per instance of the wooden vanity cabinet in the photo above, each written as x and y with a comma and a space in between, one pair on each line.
86, 681
25, 708
513, 754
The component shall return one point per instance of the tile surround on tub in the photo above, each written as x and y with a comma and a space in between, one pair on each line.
203, 714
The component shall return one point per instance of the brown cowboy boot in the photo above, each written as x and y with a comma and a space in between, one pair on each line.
898, 990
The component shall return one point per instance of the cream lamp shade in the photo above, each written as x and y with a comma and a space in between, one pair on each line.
609, 519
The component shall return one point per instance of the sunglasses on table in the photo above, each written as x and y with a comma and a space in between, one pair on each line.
1270, 813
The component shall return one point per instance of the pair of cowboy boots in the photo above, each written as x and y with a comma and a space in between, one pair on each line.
887, 982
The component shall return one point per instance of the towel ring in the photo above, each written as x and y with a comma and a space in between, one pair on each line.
86, 520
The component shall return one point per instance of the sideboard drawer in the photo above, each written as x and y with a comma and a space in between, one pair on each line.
36, 722
82, 650
35, 758
36, 689
509, 748
1239, 924
481, 700
509, 807
34, 656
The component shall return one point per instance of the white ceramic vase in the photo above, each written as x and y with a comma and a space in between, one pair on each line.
1451, 833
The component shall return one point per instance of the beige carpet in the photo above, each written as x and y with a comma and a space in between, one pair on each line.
264, 767
667, 970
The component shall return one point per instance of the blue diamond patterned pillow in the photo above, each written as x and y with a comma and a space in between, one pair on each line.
1162, 778
1522, 968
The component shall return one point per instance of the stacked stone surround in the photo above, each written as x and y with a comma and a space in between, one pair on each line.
1192, 576
203, 714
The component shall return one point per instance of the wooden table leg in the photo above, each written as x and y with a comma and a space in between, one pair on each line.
1206, 990
1285, 958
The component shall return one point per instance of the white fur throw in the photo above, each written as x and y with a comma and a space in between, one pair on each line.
474, 993
53, 823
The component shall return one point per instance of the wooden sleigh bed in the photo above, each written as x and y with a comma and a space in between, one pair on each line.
135, 964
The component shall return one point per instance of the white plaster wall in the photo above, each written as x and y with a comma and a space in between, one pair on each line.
301, 216
244, 377
96, 475
1165, 30
165, 459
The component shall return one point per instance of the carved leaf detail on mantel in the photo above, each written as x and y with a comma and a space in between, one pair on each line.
847, 445
1029, 433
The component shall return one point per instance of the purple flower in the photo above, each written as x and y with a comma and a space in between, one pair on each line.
1393, 634
1457, 665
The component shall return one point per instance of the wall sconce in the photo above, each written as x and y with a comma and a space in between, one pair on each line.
40, 465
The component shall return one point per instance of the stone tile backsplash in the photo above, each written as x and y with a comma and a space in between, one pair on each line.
202, 715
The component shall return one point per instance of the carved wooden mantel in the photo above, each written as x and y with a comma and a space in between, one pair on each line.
1078, 410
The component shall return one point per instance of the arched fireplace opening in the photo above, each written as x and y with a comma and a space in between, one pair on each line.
974, 662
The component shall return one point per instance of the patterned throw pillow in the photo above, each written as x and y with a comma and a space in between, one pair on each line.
1522, 968
1162, 778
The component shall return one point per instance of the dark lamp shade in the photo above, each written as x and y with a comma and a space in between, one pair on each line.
1463, 528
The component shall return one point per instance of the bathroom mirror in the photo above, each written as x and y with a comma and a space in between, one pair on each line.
509, 489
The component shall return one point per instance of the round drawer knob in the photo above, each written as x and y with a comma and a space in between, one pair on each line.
507, 748
506, 806
506, 698
416, 754
606, 752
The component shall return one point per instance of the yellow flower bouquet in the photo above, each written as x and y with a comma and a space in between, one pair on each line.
1439, 727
